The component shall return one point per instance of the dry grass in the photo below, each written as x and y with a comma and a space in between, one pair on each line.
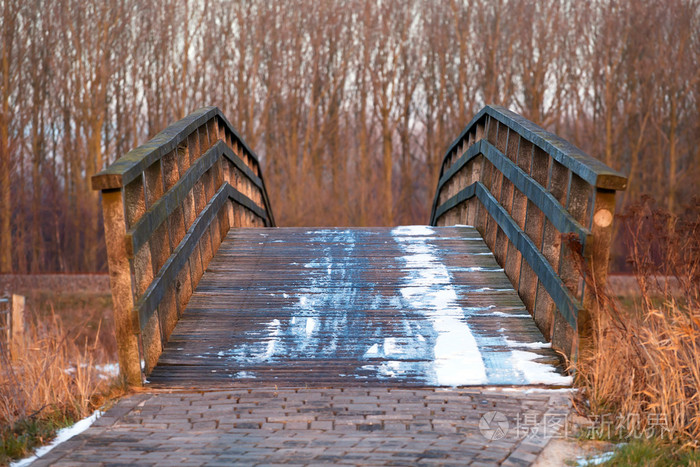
643, 371
54, 377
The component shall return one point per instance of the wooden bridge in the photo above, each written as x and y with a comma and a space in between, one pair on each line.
328, 330
207, 293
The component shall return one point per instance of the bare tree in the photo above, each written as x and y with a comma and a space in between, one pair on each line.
10, 120
349, 103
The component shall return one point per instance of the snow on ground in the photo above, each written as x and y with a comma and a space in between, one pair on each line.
61, 436
595, 460
104, 371
528, 345
536, 372
108, 370
501, 314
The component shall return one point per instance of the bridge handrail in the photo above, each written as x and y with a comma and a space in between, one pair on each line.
523, 188
589, 168
133, 163
167, 206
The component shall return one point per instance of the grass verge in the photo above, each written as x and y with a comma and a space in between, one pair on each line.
653, 453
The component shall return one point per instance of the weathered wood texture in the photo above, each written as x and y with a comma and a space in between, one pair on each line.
167, 205
5, 321
12, 324
523, 188
298, 307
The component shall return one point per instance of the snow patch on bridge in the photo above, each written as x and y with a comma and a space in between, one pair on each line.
428, 289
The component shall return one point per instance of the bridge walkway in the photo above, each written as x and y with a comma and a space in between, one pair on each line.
329, 346
321, 307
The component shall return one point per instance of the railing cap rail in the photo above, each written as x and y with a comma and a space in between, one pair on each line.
128, 167
588, 168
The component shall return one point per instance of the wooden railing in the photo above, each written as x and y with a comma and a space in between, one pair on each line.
167, 205
522, 188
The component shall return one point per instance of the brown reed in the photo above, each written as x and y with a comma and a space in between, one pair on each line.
51, 380
643, 369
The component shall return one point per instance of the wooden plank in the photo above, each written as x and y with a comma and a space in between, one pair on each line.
523, 158
128, 167
598, 252
462, 196
248, 203
17, 327
148, 302
535, 192
151, 342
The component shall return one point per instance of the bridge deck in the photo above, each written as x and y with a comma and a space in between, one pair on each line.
410, 306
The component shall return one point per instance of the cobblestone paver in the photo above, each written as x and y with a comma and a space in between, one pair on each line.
360, 426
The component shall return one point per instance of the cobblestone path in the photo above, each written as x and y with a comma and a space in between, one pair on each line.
313, 426
371, 319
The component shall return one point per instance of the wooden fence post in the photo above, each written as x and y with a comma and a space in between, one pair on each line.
17, 325
126, 323
598, 254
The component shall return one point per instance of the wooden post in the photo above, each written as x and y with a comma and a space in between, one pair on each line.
597, 253
16, 325
125, 317
5, 316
